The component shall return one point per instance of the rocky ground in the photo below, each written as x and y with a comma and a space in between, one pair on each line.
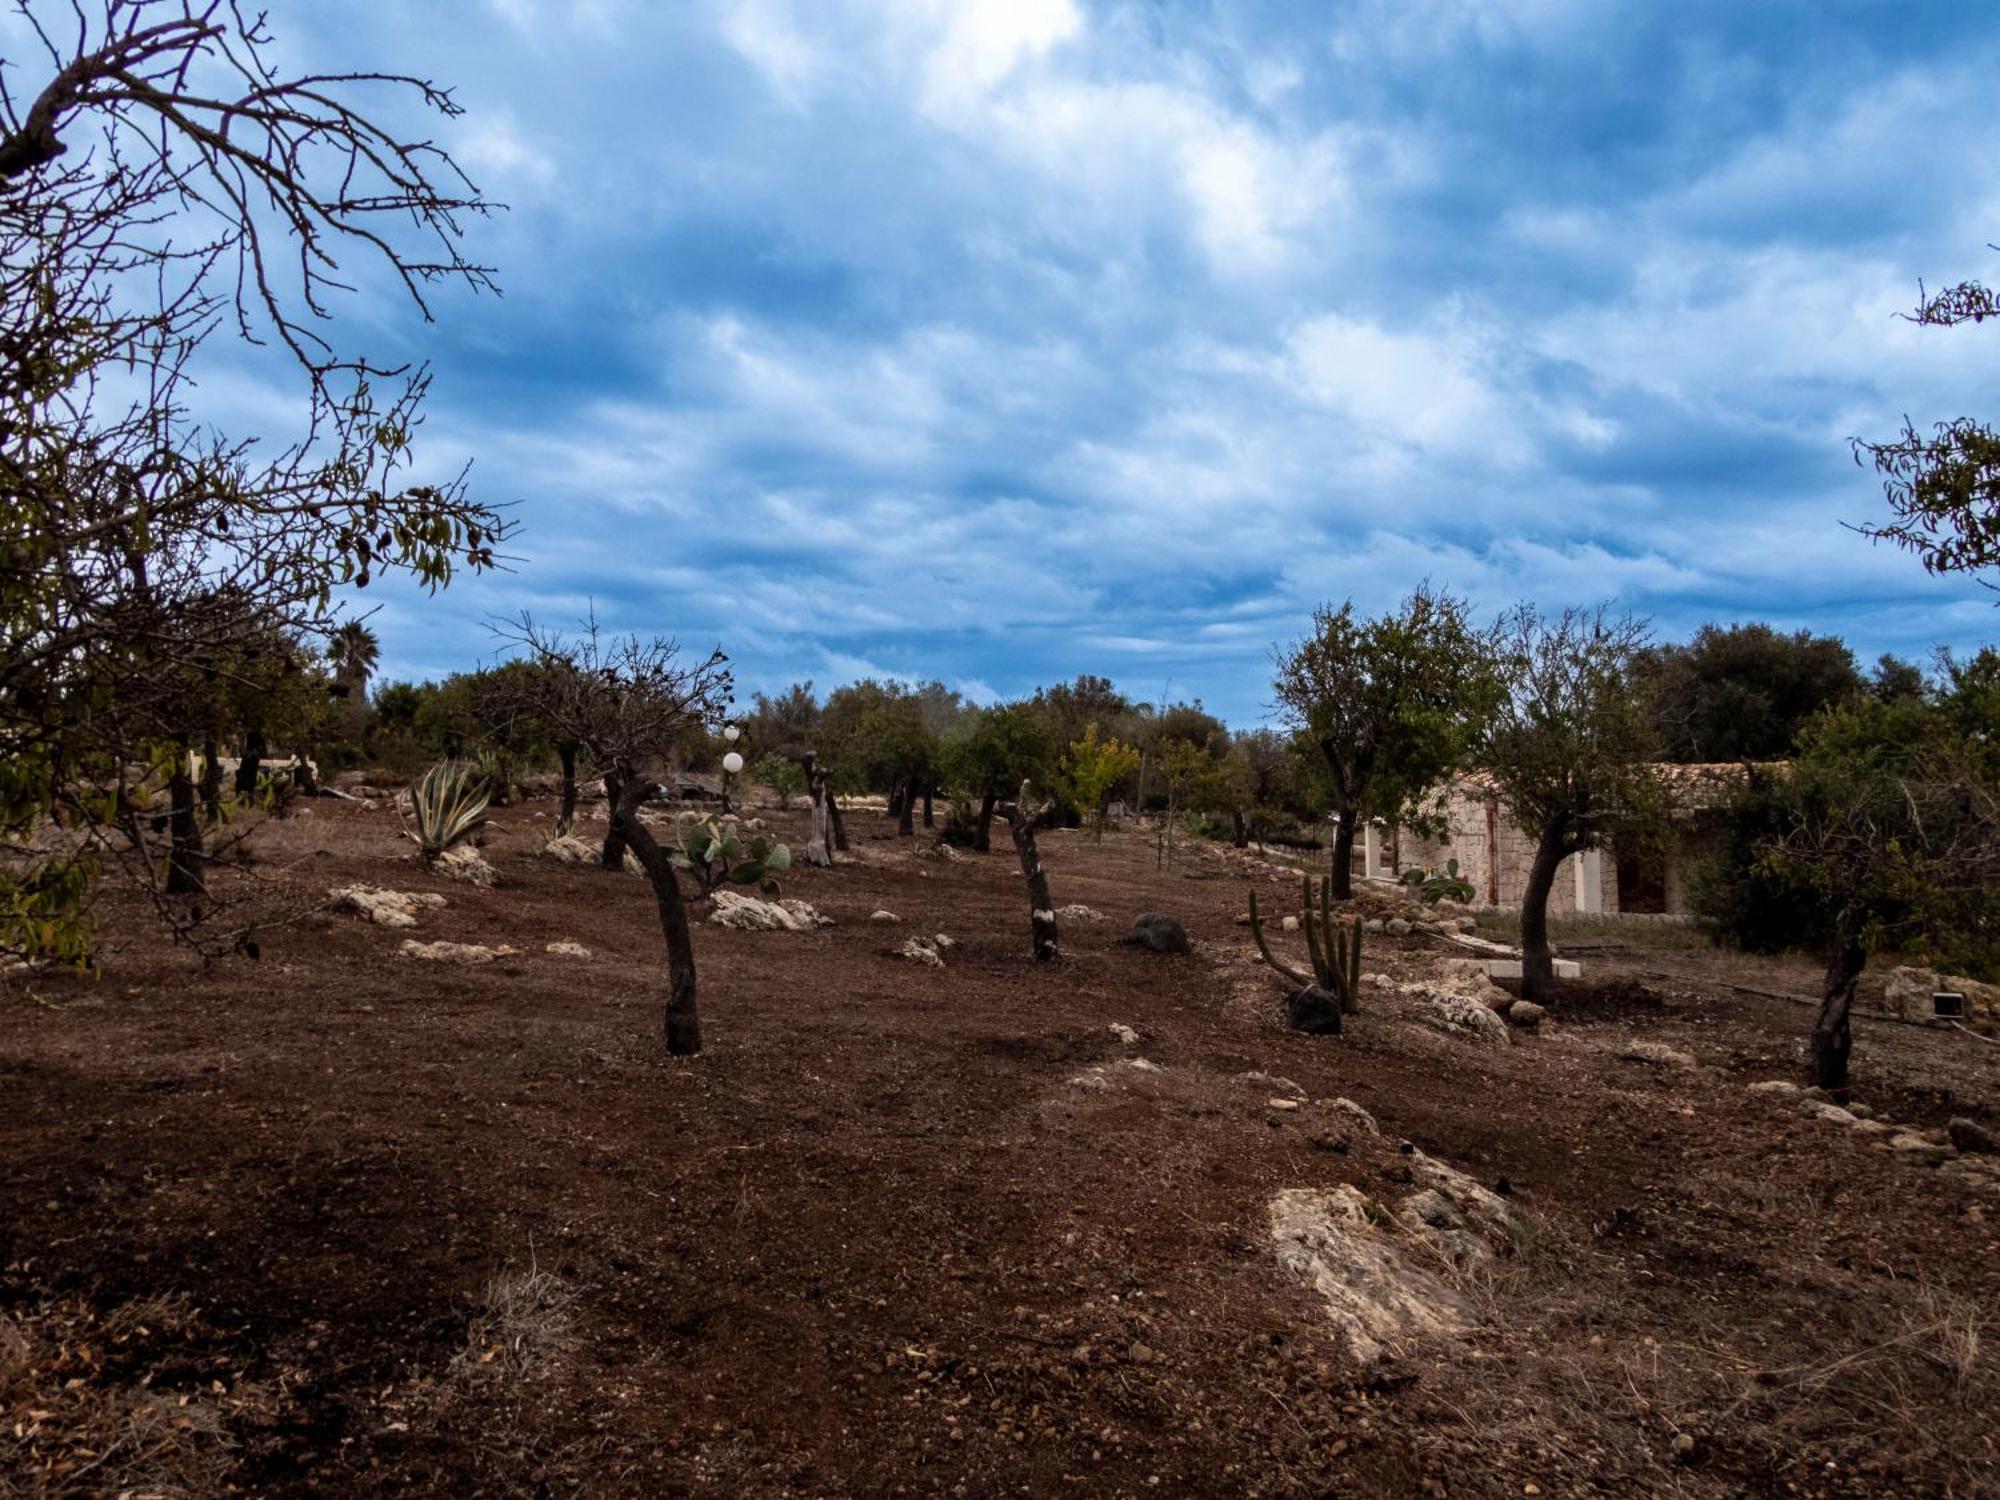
415, 1204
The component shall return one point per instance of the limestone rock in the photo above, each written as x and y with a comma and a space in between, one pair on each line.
1775, 1087
922, 951
750, 914
452, 953
1124, 1033
1525, 1013
1908, 993
1076, 911
1356, 1113
1459, 1000
382, 907
1331, 1240
1659, 1054
568, 950
466, 865
571, 850
1833, 1114
1916, 1149
1397, 927
884, 917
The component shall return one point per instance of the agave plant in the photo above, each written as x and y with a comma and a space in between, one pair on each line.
447, 806
714, 852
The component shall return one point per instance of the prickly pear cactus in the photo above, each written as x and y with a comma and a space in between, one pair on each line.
715, 852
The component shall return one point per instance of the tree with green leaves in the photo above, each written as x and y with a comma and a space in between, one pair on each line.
1571, 747
1395, 705
1743, 692
1090, 769
993, 752
1881, 833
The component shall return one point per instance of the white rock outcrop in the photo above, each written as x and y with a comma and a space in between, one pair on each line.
452, 953
466, 865
751, 914
384, 908
1339, 1244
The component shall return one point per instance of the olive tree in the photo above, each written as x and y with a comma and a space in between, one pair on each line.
1570, 748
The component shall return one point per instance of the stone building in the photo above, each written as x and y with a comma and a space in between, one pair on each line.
1495, 853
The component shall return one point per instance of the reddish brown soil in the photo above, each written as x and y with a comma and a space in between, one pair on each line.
874, 1241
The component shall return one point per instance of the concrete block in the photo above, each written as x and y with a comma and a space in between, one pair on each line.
1510, 968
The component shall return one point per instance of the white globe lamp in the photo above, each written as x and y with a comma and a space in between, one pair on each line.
732, 763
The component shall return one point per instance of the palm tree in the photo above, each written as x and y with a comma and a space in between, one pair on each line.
354, 652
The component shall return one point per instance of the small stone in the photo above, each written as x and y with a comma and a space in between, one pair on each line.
1285, 1105
1970, 1135
883, 916
1124, 1033
1682, 1445
1833, 1114
1142, 1354
1916, 1149
1290, 924
568, 950
1778, 1087
1525, 1013
1160, 933
1657, 1053
1398, 927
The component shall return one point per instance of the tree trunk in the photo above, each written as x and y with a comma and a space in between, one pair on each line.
211, 780
613, 857
1538, 968
184, 857
1041, 908
819, 851
248, 765
982, 836
839, 823
683, 1014
895, 807
1831, 1039
929, 790
566, 818
906, 812
302, 772
1240, 838
1342, 870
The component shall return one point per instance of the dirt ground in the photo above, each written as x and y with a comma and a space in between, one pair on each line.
339, 1222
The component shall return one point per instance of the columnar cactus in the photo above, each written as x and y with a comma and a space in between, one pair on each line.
1335, 948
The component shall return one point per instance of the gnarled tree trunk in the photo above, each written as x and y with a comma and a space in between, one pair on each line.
1832, 1041
839, 823
184, 857
211, 780
1342, 869
683, 1013
982, 836
819, 846
566, 817
1240, 834
1042, 911
906, 809
929, 790
250, 763
1538, 968
615, 835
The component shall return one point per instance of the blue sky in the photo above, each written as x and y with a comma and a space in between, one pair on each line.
1000, 340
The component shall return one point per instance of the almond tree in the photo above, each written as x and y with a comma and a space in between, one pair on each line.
628, 703
167, 180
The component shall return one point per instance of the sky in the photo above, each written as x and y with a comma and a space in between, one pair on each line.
995, 341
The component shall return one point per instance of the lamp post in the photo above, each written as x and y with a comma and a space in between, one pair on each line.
731, 761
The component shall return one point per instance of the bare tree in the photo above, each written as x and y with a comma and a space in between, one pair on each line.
1025, 820
627, 702
167, 180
